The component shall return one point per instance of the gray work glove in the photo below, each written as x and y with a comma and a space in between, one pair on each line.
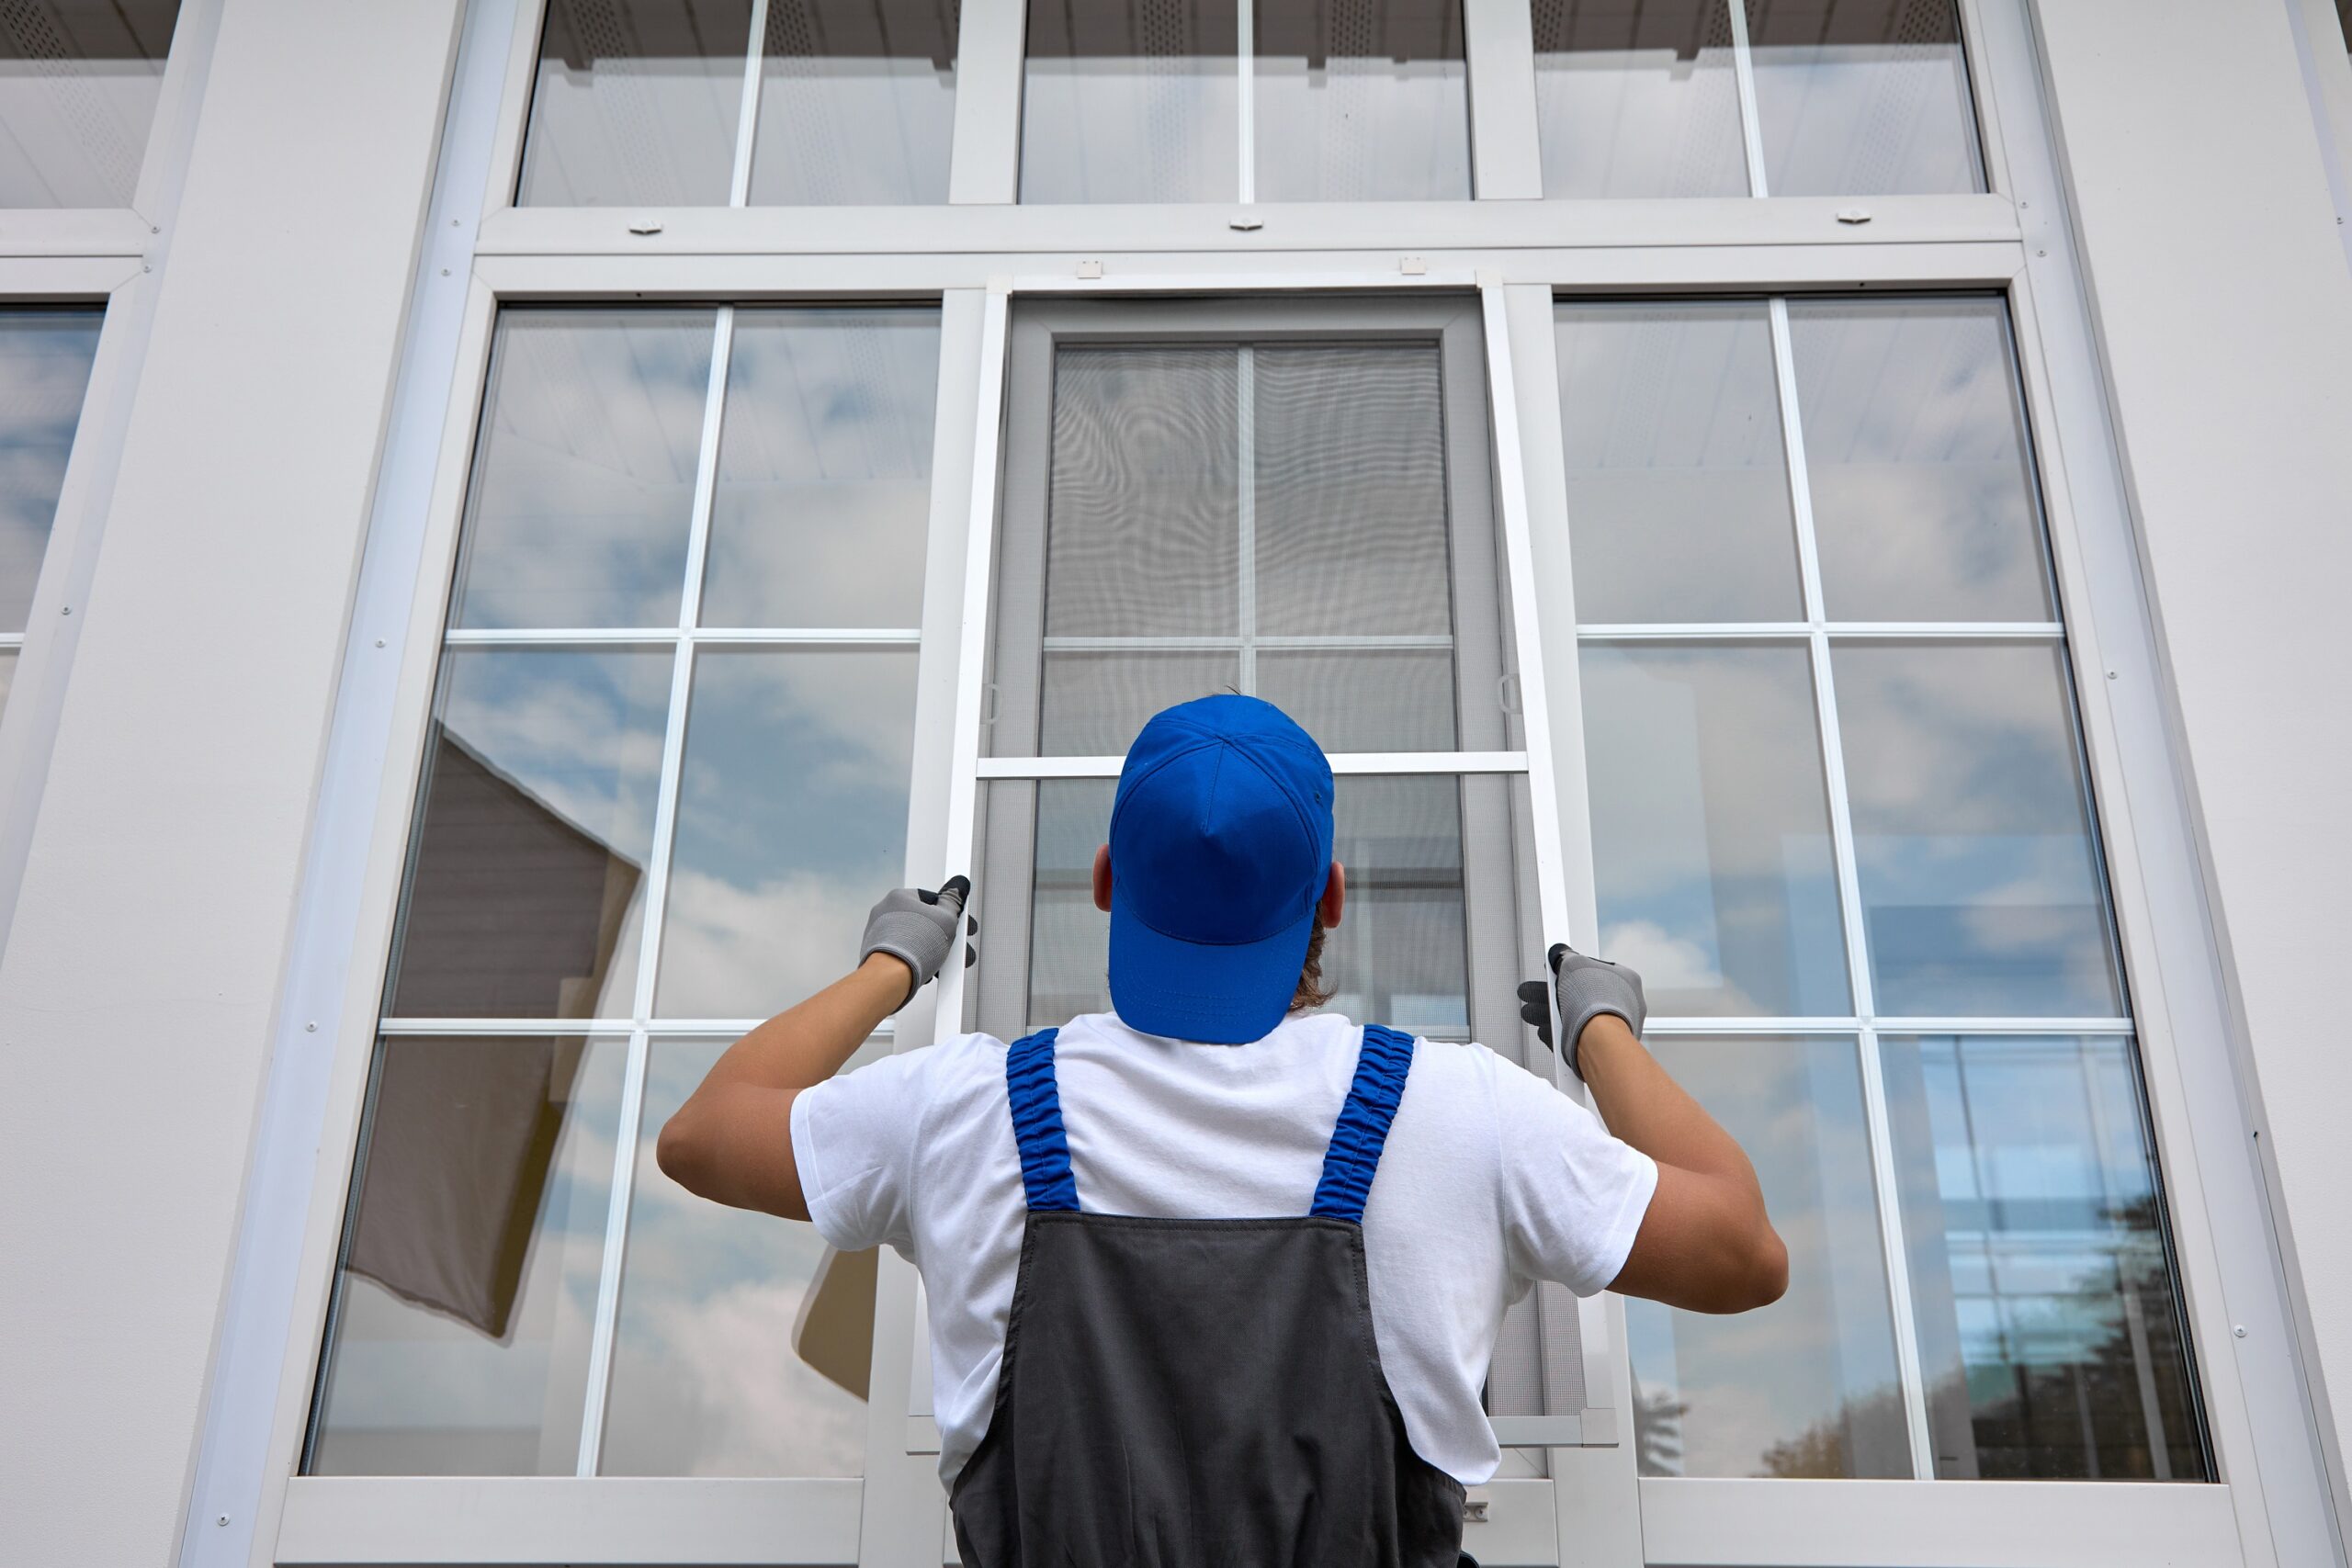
1587, 987
918, 928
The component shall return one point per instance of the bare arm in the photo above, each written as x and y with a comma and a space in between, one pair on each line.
731, 1141
1706, 1242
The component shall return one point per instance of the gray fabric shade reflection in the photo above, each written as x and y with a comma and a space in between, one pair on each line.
463, 1139
459, 1156
514, 910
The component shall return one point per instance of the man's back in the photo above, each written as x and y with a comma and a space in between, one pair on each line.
1490, 1179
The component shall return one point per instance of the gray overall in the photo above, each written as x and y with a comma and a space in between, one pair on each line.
1200, 1393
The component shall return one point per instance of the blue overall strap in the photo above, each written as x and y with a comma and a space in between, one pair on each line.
1037, 1121
1347, 1166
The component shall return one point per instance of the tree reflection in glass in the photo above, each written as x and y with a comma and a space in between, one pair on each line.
2040, 1275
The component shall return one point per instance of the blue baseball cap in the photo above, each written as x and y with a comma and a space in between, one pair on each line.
1220, 848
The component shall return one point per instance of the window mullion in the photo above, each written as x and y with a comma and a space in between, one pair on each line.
1744, 72
608, 1272
747, 119
1849, 899
1245, 66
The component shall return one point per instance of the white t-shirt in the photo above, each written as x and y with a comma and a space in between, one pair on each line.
1491, 1179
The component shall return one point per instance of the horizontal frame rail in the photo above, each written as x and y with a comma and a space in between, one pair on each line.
1972, 631
1343, 764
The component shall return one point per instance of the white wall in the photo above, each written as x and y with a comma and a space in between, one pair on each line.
136, 989
2225, 315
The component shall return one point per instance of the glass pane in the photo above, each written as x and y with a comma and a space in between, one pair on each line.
1915, 452
1359, 102
583, 482
792, 820
1135, 105
636, 102
1069, 939
468, 1285
1094, 704
1398, 956
44, 369
79, 81
1143, 519
1981, 888
7, 675
1636, 99
824, 470
525, 883
1350, 492
1345, 507
1863, 97
1387, 700
1678, 478
1807, 1387
1711, 829
2048, 1316
704, 1379
857, 103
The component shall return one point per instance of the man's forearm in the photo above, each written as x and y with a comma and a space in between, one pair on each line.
731, 1141
1647, 1109
806, 1044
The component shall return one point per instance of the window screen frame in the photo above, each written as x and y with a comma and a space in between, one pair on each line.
975, 254
1488, 563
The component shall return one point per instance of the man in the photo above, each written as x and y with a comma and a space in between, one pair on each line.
1213, 1280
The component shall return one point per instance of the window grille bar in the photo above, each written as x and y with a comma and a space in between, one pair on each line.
763, 637
577, 1028
1372, 642
1743, 65
657, 888
1343, 764
747, 119
1849, 896
1246, 66
1848, 631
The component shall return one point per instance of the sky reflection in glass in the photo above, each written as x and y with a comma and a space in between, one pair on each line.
1714, 875
45, 357
583, 482
824, 470
1980, 884
792, 820
1915, 444
703, 1381
1805, 1387
1678, 499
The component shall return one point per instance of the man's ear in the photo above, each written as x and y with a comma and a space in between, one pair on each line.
1335, 893
1102, 878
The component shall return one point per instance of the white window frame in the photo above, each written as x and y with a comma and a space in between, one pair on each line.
972, 257
109, 256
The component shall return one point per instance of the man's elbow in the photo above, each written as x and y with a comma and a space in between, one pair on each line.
1767, 1272
1749, 1273
681, 1151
